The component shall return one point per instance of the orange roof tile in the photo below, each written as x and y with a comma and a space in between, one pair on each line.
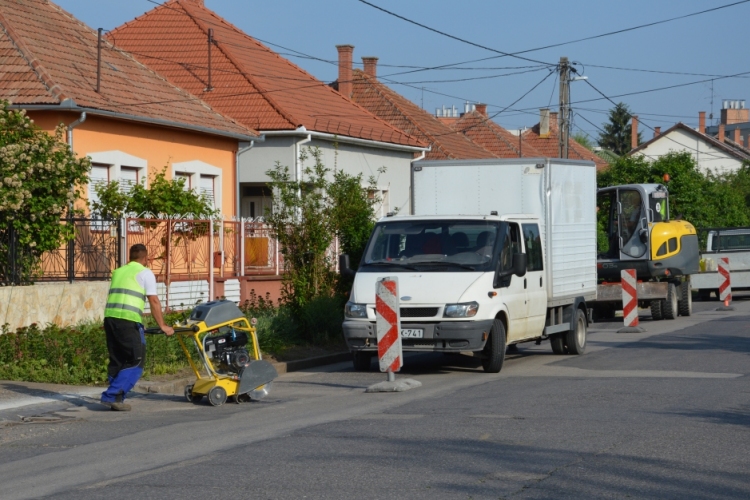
250, 82
48, 56
400, 112
494, 138
549, 146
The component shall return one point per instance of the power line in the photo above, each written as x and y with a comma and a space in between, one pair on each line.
661, 72
602, 35
463, 40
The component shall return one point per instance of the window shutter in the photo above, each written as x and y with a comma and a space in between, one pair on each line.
206, 187
128, 179
99, 177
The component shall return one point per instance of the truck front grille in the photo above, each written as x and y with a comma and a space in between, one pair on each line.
419, 312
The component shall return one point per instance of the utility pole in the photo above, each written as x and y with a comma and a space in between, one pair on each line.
564, 106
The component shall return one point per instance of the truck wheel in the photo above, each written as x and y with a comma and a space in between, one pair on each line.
494, 349
670, 306
362, 361
558, 343
575, 339
656, 310
686, 298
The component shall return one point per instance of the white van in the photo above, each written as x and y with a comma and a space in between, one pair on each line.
499, 252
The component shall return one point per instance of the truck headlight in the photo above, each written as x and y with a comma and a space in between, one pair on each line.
352, 310
466, 310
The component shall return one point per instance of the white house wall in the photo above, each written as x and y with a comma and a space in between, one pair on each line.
707, 157
353, 159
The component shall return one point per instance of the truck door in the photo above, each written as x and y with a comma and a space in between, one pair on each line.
536, 290
513, 289
633, 225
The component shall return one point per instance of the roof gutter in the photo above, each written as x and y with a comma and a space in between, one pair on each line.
303, 132
68, 105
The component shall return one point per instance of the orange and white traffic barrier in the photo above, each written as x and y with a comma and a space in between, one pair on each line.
725, 282
388, 323
629, 297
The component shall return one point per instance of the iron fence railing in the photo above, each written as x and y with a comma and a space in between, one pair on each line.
92, 254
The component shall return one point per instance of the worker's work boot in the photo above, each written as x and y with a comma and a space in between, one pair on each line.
118, 405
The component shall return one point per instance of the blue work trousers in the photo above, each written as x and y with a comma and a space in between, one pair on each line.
126, 343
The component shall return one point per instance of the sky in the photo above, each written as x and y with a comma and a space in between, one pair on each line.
307, 32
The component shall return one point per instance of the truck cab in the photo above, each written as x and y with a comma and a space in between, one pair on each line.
458, 276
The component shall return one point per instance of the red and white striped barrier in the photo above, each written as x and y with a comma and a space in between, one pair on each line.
725, 284
388, 322
629, 297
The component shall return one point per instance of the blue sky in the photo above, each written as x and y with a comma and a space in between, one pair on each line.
694, 45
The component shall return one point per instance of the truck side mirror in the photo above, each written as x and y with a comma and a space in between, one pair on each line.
519, 264
344, 266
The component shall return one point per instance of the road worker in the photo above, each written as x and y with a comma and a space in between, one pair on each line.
123, 325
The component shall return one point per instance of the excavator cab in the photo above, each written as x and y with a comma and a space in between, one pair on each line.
635, 232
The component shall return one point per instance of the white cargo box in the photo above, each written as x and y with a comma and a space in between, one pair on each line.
562, 193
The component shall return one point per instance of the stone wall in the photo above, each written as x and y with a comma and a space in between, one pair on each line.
59, 303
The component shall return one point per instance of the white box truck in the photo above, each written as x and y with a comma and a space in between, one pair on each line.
498, 252
733, 243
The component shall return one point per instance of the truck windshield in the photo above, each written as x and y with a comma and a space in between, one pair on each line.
434, 245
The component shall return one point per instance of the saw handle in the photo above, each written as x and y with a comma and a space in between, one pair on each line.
177, 329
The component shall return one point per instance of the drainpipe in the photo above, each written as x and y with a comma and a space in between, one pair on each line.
297, 146
238, 213
72, 126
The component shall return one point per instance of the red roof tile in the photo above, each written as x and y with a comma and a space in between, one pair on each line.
250, 82
47, 56
494, 138
549, 146
403, 114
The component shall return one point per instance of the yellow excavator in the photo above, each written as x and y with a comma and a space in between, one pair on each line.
635, 232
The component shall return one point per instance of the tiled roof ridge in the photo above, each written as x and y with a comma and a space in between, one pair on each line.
387, 94
488, 123
53, 88
188, 6
180, 90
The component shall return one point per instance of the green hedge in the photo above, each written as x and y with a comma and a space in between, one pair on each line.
78, 354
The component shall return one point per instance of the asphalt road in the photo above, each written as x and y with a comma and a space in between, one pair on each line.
663, 414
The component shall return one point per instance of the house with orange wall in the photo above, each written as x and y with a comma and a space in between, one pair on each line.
128, 119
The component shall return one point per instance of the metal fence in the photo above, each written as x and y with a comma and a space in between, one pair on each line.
92, 254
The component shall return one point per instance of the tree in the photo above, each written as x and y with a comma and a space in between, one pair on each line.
705, 200
40, 180
583, 140
307, 215
162, 196
617, 133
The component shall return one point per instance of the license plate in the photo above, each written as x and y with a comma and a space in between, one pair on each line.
412, 333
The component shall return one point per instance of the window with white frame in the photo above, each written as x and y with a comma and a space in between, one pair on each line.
382, 202
187, 178
201, 177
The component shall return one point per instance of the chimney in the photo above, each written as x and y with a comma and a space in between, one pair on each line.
657, 131
634, 132
371, 66
345, 69
702, 122
553, 120
482, 109
737, 137
721, 132
734, 111
544, 122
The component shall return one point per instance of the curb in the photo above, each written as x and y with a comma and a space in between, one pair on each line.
177, 387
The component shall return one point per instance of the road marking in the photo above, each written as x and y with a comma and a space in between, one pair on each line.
566, 371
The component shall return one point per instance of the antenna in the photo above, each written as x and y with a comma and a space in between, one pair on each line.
711, 114
99, 62
210, 87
